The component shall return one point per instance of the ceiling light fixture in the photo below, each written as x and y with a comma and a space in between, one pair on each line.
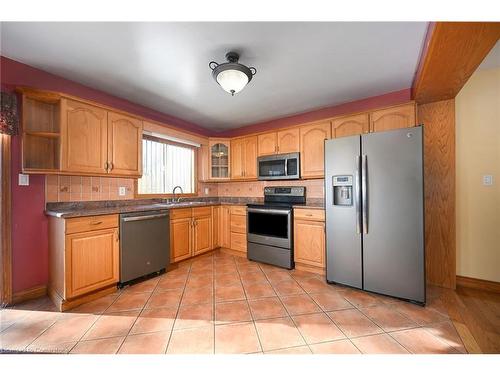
232, 76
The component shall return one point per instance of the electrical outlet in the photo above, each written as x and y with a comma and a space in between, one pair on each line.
206, 191
122, 190
488, 180
24, 179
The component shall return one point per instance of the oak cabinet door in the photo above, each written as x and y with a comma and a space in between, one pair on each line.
124, 145
288, 141
216, 226
84, 138
225, 222
203, 161
267, 144
202, 234
309, 242
91, 261
237, 155
239, 242
180, 239
350, 125
250, 154
312, 149
393, 118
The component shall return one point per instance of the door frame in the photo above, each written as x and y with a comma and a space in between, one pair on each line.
5, 221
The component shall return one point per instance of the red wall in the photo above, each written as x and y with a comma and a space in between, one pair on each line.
29, 224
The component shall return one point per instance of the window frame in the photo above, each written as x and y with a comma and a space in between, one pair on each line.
170, 195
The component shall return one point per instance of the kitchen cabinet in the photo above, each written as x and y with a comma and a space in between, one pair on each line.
202, 167
83, 258
309, 239
267, 144
216, 213
84, 138
288, 141
219, 157
244, 158
397, 117
350, 125
64, 135
190, 232
238, 228
312, 149
225, 226
124, 145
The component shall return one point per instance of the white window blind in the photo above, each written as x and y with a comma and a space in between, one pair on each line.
164, 166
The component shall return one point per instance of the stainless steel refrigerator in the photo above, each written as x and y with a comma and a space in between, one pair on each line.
375, 212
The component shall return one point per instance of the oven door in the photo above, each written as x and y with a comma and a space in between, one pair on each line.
270, 226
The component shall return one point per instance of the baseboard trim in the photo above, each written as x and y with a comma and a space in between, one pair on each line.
486, 285
27, 294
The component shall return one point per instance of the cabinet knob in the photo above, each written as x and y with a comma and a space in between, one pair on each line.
106, 166
110, 166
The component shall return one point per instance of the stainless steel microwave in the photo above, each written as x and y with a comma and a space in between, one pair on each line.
279, 167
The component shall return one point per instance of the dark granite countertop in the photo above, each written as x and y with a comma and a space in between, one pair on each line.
92, 208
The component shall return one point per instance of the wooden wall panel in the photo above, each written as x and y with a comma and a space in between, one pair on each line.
439, 186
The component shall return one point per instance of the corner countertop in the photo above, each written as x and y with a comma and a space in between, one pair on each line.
81, 209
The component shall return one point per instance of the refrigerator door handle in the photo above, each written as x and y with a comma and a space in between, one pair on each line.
364, 193
357, 193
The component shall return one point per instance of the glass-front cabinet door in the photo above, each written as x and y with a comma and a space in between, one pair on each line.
219, 159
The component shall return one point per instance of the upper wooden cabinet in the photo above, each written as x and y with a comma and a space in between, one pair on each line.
84, 138
350, 125
218, 159
288, 140
244, 158
267, 144
398, 117
202, 170
312, 149
124, 145
64, 135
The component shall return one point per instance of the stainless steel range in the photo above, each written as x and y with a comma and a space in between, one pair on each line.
270, 225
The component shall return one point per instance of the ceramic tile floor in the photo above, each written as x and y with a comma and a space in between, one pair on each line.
219, 303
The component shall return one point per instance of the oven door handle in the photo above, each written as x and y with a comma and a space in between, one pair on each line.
269, 211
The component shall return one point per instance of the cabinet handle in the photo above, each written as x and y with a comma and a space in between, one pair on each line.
96, 223
106, 166
110, 166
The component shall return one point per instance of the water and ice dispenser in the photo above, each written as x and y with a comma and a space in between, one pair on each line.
342, 190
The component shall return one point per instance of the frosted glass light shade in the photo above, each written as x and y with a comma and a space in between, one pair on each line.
232, 81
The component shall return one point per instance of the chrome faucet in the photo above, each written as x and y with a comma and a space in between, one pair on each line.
173, 192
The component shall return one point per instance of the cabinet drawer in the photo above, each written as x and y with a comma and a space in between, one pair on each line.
202, 211
239, 241
238, 224
238, 210
180, 213
90, 223
309, 214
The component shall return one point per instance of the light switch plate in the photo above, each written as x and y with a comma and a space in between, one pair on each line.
488, 180
24, 179
206, 191
122, 191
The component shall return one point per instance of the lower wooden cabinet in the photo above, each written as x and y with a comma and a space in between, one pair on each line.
225, 226
191, 232
83, 258
309, 239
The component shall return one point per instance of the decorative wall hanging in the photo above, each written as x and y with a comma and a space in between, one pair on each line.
9, 117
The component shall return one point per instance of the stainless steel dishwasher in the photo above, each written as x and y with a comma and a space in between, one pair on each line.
144, 244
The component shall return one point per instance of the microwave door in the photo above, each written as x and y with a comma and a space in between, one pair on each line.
272, 169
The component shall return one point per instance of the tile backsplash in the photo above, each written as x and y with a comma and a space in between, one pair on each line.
84, 188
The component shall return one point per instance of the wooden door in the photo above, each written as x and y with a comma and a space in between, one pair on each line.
91, 261
402, 116
215, 226
180, 238
288, 141
237, 155
224, 224
350, 125
250, 157
267, 144
124, 145
84, 138
203, 163
312, 149
309, 242
202, 234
